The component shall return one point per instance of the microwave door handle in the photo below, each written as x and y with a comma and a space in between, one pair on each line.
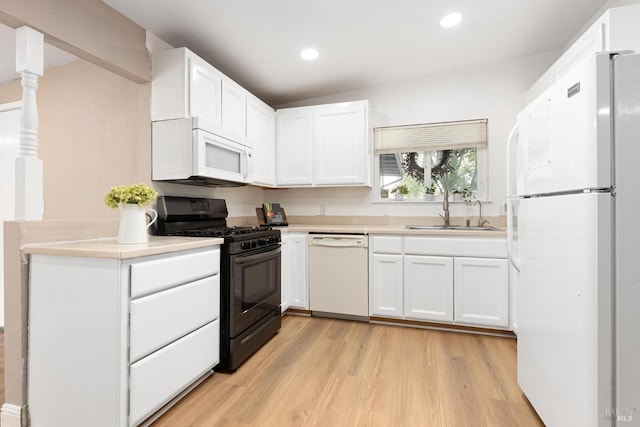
245, 164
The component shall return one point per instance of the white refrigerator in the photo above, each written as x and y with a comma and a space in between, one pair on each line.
574, 243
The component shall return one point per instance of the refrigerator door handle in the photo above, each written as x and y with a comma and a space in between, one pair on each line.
511, 141
513, 258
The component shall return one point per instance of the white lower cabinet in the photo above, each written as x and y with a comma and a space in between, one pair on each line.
111, 341
385, 285
481, 288
154, 380
424, 279
294, 282
428, 294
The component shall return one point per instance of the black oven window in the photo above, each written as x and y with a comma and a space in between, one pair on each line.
259, 282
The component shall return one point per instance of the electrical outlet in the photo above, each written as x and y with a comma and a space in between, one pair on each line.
323, 210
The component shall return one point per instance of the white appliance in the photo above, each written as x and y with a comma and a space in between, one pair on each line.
574, 239
184, 151
338, 276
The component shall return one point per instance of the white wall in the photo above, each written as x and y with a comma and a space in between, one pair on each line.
494, 91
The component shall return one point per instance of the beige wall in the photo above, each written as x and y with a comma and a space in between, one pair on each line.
10, 92
95, 133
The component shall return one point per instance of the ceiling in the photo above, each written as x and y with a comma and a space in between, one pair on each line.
361, 42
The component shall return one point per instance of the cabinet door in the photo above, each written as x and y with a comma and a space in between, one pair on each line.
234, 110
340, 144
294, 270
293, 146
205, 91
482, 291
428, 288
285, 275
159, 377
385, 285
261, 135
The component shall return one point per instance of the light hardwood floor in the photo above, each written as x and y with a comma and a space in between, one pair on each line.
325, 372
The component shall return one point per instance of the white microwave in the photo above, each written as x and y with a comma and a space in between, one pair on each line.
184, 151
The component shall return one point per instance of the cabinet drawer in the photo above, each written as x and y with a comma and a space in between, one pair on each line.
163, 317
386, 244
492, 247
159, 377
163, 273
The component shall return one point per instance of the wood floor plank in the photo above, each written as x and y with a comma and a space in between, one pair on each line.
326, 372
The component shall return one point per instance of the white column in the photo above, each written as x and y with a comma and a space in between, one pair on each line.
29, 63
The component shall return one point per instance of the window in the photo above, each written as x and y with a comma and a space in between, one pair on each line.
421, 160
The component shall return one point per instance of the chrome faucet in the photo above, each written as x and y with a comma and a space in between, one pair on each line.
481, 222
445, 207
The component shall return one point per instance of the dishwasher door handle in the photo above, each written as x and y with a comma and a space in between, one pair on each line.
337, 242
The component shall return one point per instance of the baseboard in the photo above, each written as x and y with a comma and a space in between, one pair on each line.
442, 326
10, 415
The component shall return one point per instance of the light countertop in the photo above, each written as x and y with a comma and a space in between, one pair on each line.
388, 229
109, 248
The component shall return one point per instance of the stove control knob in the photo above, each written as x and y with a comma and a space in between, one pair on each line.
271, 240
245, 245
262, 242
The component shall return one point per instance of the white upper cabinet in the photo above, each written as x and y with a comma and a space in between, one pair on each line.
340, 144
234, 109
323, 145
294, 147
615, 30
261, 134
203, 90
184, 85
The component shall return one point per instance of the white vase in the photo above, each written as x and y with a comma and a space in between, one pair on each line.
133, 223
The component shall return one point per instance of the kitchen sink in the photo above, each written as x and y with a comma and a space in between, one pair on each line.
452, 227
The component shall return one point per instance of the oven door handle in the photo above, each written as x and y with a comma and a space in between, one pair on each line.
257, 257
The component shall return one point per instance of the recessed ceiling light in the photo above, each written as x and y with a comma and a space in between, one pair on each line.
309, 54
451, 20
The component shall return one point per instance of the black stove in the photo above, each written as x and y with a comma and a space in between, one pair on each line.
183, 216
250, 272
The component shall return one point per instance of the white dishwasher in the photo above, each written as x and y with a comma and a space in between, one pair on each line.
339, 276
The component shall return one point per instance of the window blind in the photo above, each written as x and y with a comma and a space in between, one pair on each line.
431, 137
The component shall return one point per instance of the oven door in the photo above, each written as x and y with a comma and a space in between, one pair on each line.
255, 287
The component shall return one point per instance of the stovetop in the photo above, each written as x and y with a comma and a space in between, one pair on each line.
198, 217
230, 233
